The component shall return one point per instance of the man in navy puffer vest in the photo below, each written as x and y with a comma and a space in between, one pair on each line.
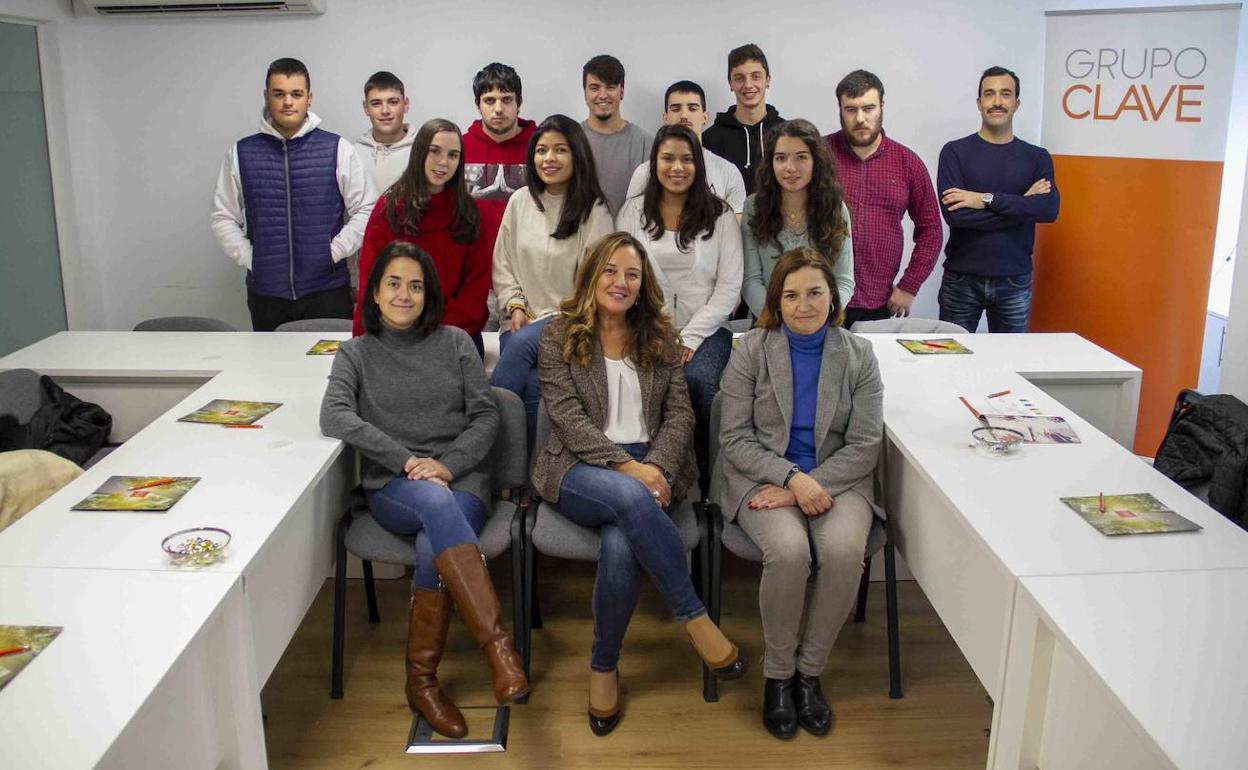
290, 206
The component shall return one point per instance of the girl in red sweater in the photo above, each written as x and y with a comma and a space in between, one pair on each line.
430, 207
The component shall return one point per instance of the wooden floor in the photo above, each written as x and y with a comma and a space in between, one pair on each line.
941, 723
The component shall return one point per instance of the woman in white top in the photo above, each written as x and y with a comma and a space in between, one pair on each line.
619, 453
541, 241
694, 243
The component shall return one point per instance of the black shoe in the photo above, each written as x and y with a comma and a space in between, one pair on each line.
601, 724
813, 712
779, 711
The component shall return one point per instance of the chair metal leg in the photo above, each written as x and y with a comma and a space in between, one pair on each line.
894, 639
535, 601
531, 621
713, 576
370, 592
860, 612
340, 604
519, 602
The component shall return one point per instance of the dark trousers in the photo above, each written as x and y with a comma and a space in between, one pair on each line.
268, 313
855, 314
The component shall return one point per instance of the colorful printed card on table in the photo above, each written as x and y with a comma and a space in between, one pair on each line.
1133, 514
138, 493
19, 645
325, 348
1036, 429
936, 347
222, 412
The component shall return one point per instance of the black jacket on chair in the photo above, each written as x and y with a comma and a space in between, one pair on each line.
1208, 442
62, 424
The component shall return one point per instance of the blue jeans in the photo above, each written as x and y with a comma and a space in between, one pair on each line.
440, 518
964, 297
517, 370
702, 374
636, 534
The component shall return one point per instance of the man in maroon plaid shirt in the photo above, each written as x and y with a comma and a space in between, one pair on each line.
883, 180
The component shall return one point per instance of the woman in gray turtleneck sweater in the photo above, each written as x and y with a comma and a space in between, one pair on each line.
411, 396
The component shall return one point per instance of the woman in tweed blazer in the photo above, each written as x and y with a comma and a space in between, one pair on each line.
800, 431
620, 452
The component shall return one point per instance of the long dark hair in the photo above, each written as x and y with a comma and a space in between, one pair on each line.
651, 338
825, 226
583, 189
412, 189
435, 300
702, 208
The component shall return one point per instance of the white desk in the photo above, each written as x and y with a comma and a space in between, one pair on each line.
280, 489
969, 526
151, 670
1130, 671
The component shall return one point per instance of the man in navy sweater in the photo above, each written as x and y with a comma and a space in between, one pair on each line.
290, 206
994, 188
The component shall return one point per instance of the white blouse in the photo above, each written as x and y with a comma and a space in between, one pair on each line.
626, 422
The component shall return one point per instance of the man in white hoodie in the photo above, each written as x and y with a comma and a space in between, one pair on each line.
386, 146
291, 205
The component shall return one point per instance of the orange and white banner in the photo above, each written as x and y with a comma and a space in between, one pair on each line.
1135, 117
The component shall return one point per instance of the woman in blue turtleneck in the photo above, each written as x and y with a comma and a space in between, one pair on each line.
800, 428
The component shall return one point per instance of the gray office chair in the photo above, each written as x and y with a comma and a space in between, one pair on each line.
183, 323
19, 393
360, 534
548, 532
907, 326
21, 396
732, 537
317, 325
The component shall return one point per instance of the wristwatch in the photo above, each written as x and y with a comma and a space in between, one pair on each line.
789, 476
987, 198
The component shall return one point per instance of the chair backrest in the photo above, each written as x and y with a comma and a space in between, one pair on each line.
508, 458
317, 325
543, 427
20, 394
907, 326
183, 323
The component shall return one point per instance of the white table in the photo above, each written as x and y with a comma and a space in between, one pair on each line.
151, 670
279, 489
970, 526
1129, 671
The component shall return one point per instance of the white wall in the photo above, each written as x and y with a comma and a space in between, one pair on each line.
152, 105
1235, 353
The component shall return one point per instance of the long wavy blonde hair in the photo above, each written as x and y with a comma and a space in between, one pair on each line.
651, 338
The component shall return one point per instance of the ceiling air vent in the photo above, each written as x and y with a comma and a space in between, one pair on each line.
196, 8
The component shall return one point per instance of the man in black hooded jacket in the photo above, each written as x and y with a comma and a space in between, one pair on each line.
737, 135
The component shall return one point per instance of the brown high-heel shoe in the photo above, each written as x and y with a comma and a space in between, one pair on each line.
732, 666
463, 572
426, 638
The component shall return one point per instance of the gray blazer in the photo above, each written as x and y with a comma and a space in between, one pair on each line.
756, 412
576, 401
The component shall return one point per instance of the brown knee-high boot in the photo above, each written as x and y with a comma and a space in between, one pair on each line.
463, 572
426, 637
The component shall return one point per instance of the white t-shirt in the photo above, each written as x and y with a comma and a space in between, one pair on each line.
625, 422
702, 286
723, 177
